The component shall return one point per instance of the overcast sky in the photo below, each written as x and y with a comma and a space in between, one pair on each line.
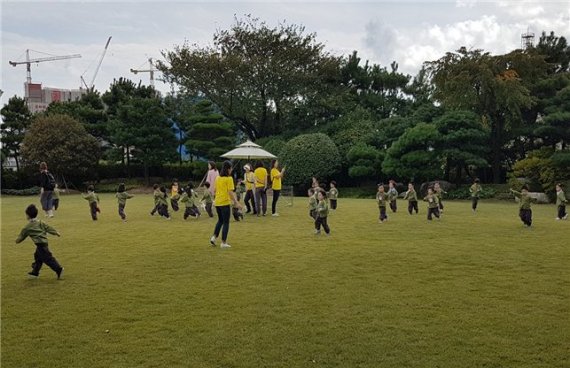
409, 32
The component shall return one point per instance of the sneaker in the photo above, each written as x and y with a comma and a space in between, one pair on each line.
213, 241
275, 215
557, 219
317, 232
32, 275
225, 245
60, 274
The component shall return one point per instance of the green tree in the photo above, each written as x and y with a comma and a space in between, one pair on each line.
16, 118
259, 76
209, 136
63, 143
309, 155
365, 161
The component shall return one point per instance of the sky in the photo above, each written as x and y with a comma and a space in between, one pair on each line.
408, 32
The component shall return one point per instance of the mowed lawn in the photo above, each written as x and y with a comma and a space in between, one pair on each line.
467, 291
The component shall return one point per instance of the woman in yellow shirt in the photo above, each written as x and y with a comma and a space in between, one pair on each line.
225, 198
249, 180
260, 189
276, 176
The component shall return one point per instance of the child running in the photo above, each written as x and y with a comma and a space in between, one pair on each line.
37, 231
190, 198
475, 191
122, 197
412, 198
156, 194
55, 197
163, 203
433, 204
392, 195
207, 200
439, 192
174, 195
333, 195
322, 213
525, 213
93, 201
382, 199
312, 203
561, 203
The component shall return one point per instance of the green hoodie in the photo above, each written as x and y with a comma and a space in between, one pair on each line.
37, 231
432, 200
322, 209
525, 200
91, 197
475, 190
381, 198
411, 196
122, 197
561, 199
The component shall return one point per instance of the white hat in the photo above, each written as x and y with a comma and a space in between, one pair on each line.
246, 167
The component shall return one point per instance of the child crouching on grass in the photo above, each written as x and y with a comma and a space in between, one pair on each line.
433, 204
122, 197
382, 199
322, 212
525, 200
37, 231
561, 203
93, 201
208, 200
312, 203
190, 198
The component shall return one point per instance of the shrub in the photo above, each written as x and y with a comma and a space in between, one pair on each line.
272, 144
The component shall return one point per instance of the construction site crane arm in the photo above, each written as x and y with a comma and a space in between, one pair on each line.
100, 61
39, 60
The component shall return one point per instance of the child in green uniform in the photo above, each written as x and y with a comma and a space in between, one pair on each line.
312, 204
392, 195
163, 203
93, 201
55, 197
174, 195
382, 199
439, 192
525, 213
322, 212
433, 204
475, 191
333, 195
208, 200
122, 197
155, 194
190, 199
561, 203
37, 231
412, 198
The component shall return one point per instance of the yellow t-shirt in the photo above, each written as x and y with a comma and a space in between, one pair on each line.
249, 180
260, 177
224, 184
275, 181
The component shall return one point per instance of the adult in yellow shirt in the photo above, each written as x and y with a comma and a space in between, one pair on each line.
249, 180
260, 174
225, 198
276, 176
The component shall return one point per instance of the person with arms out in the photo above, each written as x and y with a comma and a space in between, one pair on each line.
525, 200
276, 177
93, 199
122, 197
37, 231
260, 189
223, 200
433, 204
412, 198
190, 198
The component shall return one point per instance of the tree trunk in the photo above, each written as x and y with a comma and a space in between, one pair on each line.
17, 162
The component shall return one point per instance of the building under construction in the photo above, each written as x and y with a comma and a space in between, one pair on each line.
39, 98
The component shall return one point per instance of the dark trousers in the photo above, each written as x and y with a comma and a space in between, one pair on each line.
474, 202
122, 211
163, 210
191, 211
526, 216
383, 216
561, 211
333, 204
94, 209
412, 205
209, 209
154, 210
174, 204
276, 194
433, 211
43, 255
55, 204
223, 224
322, 221
260, 201
393, 206
46, 200
237, 214
249, 197
440, 205
313, 214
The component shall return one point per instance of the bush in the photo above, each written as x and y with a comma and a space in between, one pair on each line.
463, 192
22, 192
309, 155
272, 144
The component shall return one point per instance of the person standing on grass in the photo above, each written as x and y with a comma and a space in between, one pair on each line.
37, 231
525, 200
475, 191
412, 198
312, 203
260, 189
561, 203
122, 197
223, 200
207, 200
93, 199
433, 204
276, 177
212, 175
47, 185
393, 195
382, 199
55, 197
439, 192
333, 195
249, 179
322, 213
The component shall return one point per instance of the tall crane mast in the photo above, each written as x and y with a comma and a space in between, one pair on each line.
29, 62
92, 85
150, 70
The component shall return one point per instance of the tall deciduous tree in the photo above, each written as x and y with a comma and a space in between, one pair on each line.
16, 118
258, 75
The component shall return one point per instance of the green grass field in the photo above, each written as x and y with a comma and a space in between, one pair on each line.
467, 291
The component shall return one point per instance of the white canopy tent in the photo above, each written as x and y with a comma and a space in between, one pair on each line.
249, 151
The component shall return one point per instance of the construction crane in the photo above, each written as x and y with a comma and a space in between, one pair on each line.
29, 62
92, 85
150, 70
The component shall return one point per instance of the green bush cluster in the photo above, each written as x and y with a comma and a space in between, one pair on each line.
22, 192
